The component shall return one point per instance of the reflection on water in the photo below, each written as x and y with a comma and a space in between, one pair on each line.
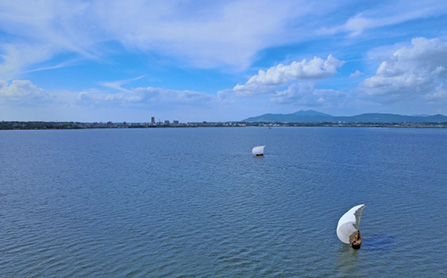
346, 260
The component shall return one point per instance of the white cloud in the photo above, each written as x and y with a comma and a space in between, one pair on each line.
267, 82
210, 34
300, 80
40, 30
388, 14
148, 96
206, 34
20, 90
307, 94
295, 93
24, 91
185, 97
117, 85
23, 100
412, 72
355, 74
15, 58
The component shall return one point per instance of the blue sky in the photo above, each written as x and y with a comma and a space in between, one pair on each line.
219, 60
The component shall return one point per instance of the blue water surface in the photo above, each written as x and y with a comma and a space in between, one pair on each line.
194, 202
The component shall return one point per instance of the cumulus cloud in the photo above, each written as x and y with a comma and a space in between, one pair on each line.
411, 72
266, 82
21, 90
295, 92
307, 94
292, 84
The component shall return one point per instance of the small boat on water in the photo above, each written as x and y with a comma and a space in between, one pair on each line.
348, 227
258, 150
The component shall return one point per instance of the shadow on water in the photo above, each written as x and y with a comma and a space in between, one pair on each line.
374, 243
348, 260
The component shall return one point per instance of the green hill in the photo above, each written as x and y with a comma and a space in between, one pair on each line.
311, 116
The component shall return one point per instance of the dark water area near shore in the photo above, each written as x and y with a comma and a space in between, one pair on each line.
195, 202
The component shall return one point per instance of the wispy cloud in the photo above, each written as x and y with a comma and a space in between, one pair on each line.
221, 34
206, 37
16, 58
395, 12
42, 29
148, 96
355, 74
117, 85
53, 67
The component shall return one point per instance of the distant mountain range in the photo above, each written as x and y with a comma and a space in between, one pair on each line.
311, 116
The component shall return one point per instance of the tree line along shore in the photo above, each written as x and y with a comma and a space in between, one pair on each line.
38, 125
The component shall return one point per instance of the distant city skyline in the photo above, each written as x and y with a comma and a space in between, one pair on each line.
194, 61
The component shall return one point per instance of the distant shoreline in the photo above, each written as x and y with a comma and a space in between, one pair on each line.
40, 125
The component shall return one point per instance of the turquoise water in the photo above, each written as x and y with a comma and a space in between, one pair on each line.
196, 203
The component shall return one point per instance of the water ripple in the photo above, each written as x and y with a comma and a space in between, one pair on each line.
196, 203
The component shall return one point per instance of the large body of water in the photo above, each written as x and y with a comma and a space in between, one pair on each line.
196, 203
